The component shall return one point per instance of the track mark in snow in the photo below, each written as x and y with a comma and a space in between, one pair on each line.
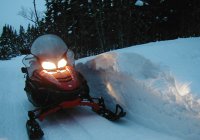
65, 122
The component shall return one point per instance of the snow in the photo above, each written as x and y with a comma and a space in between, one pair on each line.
59, 13
70, 32
156, 83
139, 3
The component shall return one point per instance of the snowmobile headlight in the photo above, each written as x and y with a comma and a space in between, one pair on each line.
48, 65
62, 63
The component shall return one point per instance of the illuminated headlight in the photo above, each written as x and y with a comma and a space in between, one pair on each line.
48, 65
62, 63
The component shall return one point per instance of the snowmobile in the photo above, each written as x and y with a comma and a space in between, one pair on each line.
52, 84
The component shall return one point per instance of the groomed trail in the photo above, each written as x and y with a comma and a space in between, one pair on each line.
159, 105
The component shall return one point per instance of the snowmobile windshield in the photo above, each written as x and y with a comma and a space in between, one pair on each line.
49, 47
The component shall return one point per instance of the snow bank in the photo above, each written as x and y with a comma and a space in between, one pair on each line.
150, 94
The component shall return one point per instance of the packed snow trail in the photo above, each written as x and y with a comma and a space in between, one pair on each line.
159, 106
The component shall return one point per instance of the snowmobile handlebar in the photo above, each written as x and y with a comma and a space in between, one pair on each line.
24, 70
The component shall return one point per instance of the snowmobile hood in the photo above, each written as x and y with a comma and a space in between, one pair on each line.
49, 47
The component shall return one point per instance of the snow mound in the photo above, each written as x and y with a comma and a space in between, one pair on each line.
150, 94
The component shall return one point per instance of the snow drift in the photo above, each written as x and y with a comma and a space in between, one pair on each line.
149, 92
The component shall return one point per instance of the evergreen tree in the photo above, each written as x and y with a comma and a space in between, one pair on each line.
90, 27
22, 40
8, 47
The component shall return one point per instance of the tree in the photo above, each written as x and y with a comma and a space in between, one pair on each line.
8, 42
33, 15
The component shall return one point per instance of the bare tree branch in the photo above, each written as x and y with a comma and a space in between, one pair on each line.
30, 14
36, 15
27, 14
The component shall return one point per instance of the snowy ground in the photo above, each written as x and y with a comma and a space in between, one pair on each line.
157, 84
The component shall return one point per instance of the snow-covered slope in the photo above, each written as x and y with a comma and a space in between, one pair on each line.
156, 83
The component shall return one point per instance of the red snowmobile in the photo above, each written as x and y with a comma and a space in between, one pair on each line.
52, 84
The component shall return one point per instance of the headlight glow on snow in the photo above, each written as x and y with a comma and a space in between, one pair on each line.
48, 65
62, 63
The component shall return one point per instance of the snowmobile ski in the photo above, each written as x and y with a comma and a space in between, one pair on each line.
106, 113
97, 105
33, 128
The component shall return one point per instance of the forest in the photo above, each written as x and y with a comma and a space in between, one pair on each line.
91, 27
